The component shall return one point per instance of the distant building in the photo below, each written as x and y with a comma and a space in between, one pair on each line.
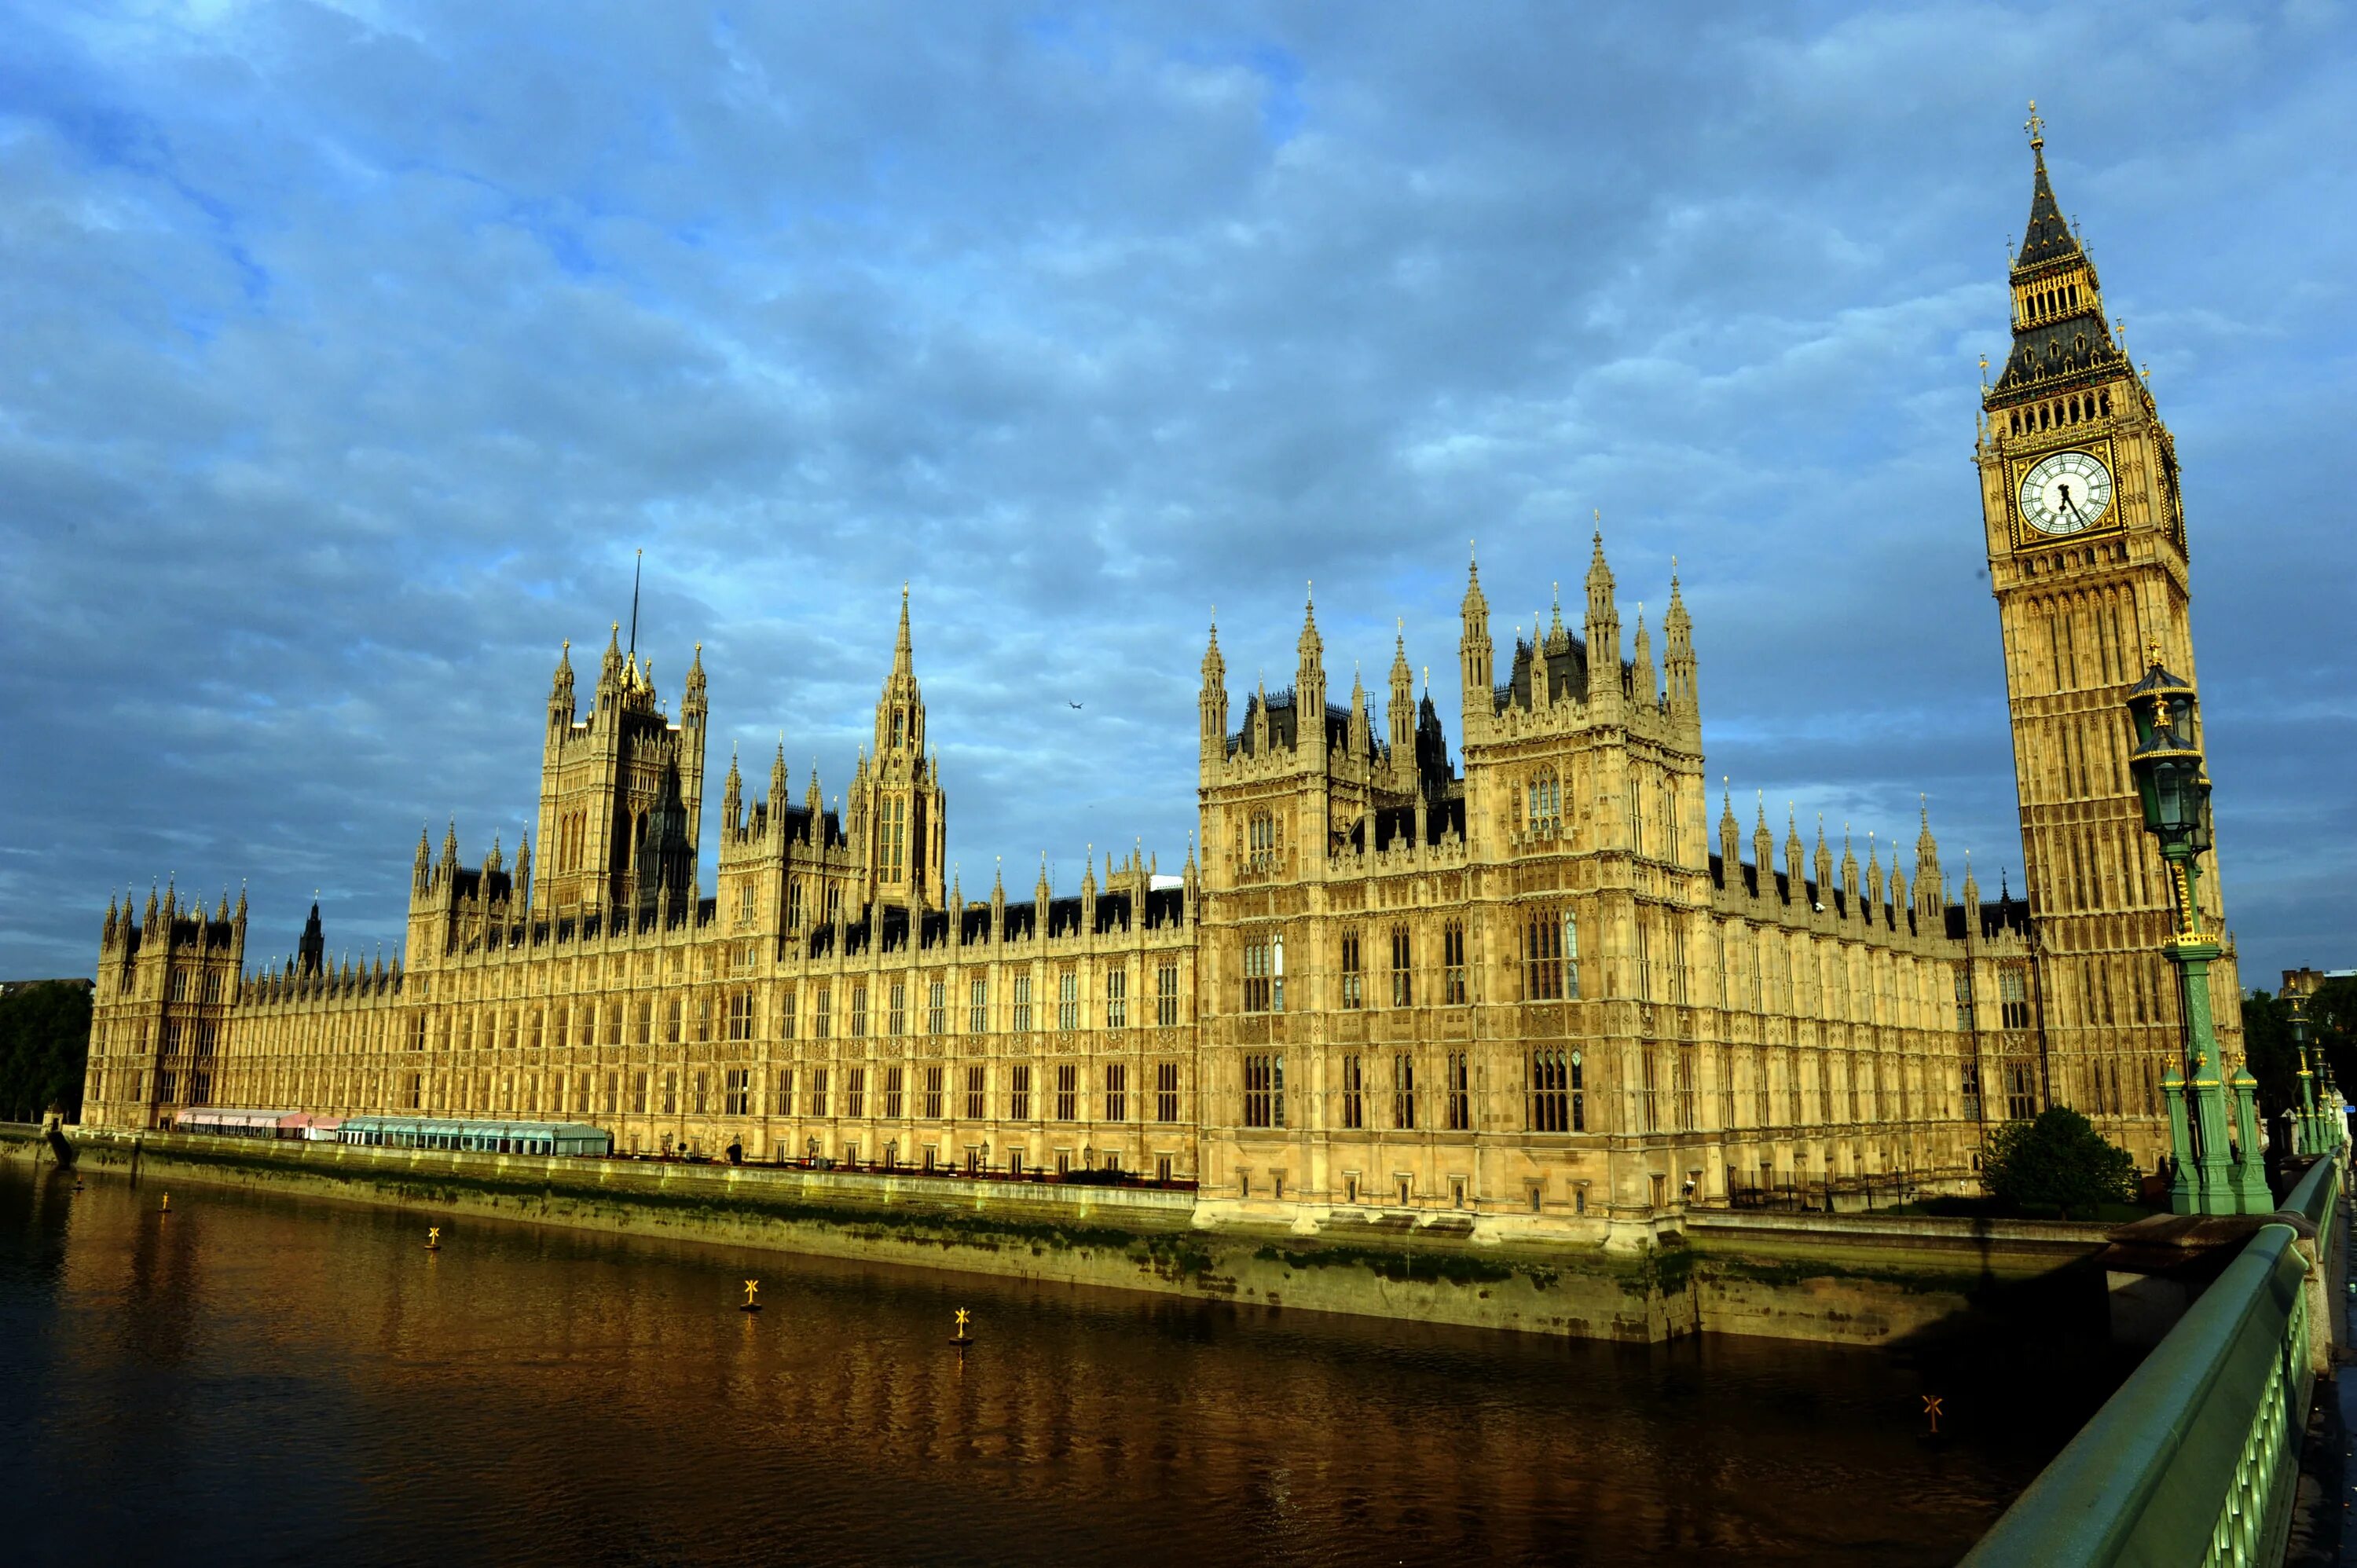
1532, 986
12, 987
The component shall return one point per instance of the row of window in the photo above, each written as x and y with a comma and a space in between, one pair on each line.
1550, 935
1558, 1097
932, 1092
1068, 1009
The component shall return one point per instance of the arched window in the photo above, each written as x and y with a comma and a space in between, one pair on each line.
1263, 842
1543, 796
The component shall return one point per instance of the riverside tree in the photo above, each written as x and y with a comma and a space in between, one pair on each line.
2058, 1162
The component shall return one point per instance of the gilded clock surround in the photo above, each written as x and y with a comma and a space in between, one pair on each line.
2026, 536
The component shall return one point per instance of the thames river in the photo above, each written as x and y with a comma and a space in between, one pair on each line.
261, 1379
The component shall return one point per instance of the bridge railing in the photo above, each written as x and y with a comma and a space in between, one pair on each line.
2196, 1458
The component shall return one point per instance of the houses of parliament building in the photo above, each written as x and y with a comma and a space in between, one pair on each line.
1552, 982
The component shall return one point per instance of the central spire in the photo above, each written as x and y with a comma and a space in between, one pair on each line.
2047, 237
903, 660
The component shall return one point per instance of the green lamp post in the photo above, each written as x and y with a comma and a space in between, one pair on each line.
2311, 1125
2218, 1165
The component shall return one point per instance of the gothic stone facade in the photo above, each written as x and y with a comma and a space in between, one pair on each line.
1534, 986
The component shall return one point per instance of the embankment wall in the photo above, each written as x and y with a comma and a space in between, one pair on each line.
1843, 1279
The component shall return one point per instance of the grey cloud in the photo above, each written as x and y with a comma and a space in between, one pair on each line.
350, 359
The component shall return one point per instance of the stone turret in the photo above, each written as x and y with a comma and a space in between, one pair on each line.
1685, 697
1212, 704
1644, 685
1474, 655
1309, 688
1399, 716
1929, 894
1603, 638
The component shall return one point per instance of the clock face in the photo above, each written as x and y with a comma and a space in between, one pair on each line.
2066, 492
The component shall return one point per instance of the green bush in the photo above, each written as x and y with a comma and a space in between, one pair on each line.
44, 1046
2058, 1162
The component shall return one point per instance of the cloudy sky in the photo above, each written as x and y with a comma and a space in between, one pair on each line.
348, 352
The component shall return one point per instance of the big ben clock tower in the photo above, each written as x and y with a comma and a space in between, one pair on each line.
2088, 560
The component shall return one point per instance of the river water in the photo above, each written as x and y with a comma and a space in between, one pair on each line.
256, 1379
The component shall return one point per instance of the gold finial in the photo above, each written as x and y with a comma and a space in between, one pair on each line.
2035, 127
1984, 372
2152, 651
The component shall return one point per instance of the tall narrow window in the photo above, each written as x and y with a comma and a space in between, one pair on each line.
1067, 1092
1544, 802
859, 1012
1022, 1020
1018, 1093
817, 1091
896, 1083
932, 1081
1165, 994
1264, 1089
1403, 987
1550, 1091
1262, 857
785, 1015
1542, 935
823, 1016
1165, 1091
1452, 959
1354, 1093
1116, 1092
897, 1014
1349, 987
936, 1008
973, 1093
1404, 1091
1117, 982
1458, 1073
854, 1092
978, 1007
1068, 999
1256, 976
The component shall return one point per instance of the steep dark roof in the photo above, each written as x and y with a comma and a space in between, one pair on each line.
2047, 238
1284, 724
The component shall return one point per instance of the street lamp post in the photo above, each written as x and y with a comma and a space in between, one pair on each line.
2311, 1125
2226, 1176
2324, 1126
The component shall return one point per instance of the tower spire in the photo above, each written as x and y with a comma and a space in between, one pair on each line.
637, 567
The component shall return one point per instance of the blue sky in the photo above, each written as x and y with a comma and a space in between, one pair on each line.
353, 350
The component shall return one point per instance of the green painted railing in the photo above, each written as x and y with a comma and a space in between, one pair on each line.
2313, 1197
2195, 1459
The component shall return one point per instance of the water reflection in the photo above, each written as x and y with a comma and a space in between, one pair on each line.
268, 1380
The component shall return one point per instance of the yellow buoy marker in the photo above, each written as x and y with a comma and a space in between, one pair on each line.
434, 1237
752, 1289
167, 1203
962, 1336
